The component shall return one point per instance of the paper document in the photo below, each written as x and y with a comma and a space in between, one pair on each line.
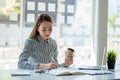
101, 72
96, 72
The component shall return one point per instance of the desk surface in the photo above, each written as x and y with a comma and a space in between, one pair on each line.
5, 75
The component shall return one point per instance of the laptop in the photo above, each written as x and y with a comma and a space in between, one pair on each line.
95, 67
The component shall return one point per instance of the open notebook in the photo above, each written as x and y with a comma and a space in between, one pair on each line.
65, 71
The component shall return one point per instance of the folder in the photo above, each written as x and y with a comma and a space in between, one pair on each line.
20, 73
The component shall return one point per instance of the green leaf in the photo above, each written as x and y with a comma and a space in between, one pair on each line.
111, 55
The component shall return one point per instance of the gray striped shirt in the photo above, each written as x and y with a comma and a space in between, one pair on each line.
37, 51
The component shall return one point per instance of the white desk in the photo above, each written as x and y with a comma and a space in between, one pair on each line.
5, 75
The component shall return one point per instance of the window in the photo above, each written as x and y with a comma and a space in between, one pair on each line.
114, 26
72, 24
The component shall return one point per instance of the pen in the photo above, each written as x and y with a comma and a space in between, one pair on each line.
52, 60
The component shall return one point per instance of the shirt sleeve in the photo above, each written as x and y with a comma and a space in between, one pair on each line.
56, 55
23, 58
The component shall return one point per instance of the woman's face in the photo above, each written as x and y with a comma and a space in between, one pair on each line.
45, 30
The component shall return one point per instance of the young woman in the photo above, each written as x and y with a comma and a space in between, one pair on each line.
40, 51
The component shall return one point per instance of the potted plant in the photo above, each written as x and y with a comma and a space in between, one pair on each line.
111, 59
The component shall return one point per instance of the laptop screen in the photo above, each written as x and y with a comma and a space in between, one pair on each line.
95, 67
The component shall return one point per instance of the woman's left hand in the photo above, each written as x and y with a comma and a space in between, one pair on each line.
68, 61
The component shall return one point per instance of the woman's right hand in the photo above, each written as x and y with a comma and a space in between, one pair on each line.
51, 65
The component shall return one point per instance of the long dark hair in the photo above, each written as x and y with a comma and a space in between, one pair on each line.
41, 18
